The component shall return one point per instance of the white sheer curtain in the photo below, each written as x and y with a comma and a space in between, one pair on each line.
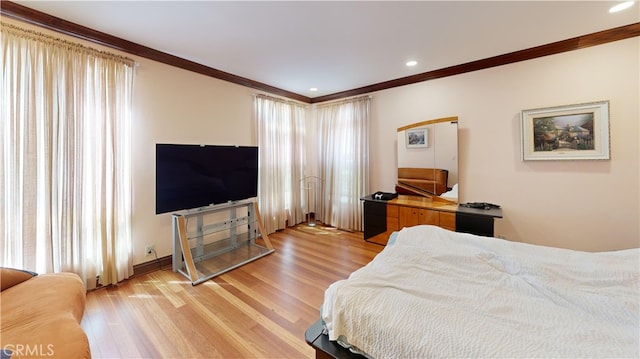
65, 188
281, 132
344, 160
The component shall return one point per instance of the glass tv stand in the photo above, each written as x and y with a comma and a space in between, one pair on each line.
214, 240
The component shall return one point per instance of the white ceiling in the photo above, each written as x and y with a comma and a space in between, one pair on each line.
338, 45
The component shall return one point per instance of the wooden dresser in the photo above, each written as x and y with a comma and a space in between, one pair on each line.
381, 218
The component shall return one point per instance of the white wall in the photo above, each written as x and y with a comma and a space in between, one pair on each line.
585, 205
171, 105
579, 204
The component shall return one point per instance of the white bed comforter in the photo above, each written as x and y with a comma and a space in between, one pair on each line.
436, 293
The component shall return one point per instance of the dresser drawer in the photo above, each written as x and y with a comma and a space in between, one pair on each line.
448, 220
392, 211
427, 216
392, 224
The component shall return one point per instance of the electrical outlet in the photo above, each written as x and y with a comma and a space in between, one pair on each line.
148, 250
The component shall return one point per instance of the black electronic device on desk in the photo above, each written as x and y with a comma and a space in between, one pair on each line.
481, 205
384, 196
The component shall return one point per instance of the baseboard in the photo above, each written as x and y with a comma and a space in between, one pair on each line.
152, 266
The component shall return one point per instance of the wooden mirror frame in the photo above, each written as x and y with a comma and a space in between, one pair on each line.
425, 142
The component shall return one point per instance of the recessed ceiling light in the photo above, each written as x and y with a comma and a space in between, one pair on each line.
622, 6
313, 89
411, 63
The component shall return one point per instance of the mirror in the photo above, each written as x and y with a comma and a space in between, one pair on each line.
428, 159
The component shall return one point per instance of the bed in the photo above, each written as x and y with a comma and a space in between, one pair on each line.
436, 293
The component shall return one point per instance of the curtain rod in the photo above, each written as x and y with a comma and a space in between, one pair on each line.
345, 100
281, 99
330, 103
40, 36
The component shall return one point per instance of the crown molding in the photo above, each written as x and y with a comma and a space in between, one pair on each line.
34, 17
576, 43
23, 13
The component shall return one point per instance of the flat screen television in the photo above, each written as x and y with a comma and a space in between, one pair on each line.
194, 176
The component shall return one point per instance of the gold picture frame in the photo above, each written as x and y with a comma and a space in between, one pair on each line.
573, 132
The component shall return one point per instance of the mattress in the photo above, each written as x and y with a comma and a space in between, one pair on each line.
437, 293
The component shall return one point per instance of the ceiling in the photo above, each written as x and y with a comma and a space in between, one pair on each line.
337, 46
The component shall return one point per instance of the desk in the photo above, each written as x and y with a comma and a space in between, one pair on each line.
381, 218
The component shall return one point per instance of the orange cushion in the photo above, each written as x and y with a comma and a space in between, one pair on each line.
10, 277
44, 314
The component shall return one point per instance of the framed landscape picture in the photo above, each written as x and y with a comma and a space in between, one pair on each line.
574, 132
417, 138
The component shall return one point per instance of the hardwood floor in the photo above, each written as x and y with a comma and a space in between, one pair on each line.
259, 310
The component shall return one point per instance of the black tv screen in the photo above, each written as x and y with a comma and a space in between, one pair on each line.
193, 176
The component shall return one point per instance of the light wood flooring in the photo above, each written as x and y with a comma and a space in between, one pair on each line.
259, 310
